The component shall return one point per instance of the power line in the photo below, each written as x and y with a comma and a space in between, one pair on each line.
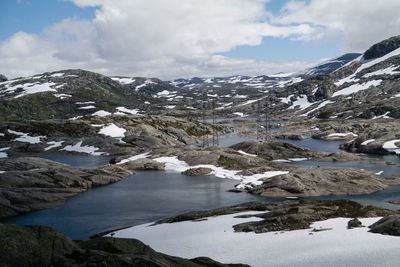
205, 132
215, 136
266, 118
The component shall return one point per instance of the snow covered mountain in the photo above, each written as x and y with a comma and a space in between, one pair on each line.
366, 87
237, 82
350, 86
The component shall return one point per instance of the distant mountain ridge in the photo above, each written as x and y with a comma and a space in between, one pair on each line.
349, 86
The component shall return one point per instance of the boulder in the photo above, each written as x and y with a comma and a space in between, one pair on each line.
389, 225
144, 164
354, 223
197, 171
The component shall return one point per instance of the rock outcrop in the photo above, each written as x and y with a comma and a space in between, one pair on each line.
382, 48
43, 246
298, 215
389, 225
287, 215
304, 181
144, 165
274, 150
28, 184
197, 171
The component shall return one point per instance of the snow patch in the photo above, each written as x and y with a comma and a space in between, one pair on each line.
62, 96
128, 111
146, 83
133, 158
301, 102
391, 146
388, 71
123, 80
101, 113
367, 142
246, 154
26, 138
92, 150
176, 165
53, 144
32, 88
112, 130
2, 153
357, 87
240, 114
87, 107
342, 134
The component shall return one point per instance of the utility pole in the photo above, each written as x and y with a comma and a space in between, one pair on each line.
204, 106
266, 123
215, 136
259, 121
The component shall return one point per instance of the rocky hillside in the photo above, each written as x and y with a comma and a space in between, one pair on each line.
349, 86
66, 94
93, 135
366, 87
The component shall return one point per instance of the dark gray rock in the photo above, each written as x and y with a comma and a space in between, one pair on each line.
273, 150
197, 171
354, 223
144, 164
306, 181
389, 225
287, 215
382, 48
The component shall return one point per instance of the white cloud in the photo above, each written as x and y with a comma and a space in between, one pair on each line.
151, 38
181, 38
358, 23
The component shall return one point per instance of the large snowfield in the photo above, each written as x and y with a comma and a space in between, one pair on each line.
215, 238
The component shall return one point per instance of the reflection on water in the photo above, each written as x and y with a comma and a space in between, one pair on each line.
316, 144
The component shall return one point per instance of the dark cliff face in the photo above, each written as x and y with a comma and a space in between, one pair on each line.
382, 48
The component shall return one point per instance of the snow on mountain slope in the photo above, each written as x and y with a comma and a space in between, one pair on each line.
331, 65
67, 94
354, 88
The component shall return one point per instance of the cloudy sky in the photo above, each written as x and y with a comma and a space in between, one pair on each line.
186, 38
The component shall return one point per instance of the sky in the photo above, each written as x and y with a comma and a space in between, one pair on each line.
185, 38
